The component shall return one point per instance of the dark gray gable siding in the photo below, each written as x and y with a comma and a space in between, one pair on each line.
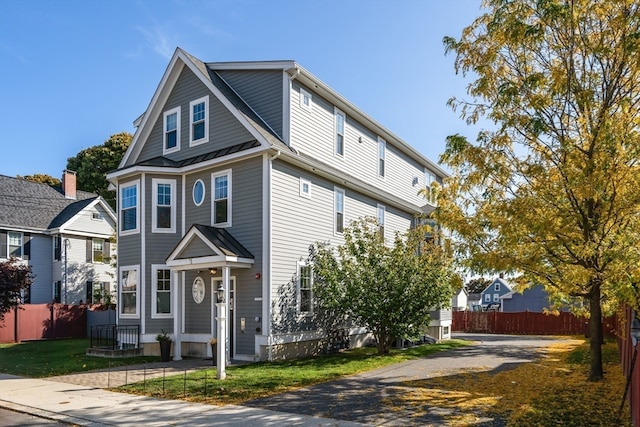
261, 90
224, 128
196, 248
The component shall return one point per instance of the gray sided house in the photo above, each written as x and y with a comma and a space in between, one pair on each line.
234, 170
63, 234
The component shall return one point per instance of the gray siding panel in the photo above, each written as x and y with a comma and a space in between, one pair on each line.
40, 262
224, 128
261, 90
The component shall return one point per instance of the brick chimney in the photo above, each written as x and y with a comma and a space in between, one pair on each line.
69, 184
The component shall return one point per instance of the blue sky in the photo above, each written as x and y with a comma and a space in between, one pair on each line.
74, 72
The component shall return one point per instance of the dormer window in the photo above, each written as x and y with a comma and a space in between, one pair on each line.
199, 130
171, 131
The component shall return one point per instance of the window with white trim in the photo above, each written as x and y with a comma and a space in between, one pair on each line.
161, 291
305, 188
496, 297
339, 131
430, 180
129, 208
496, 287
14, 244
221, 201
487, 297
305, 288
199, 121
380, 217
199, 192
306, 100
163, 212
171, 133
338, 206
129, 299
97, 251
382, 152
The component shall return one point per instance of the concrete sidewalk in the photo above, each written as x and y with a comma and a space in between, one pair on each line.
90, 406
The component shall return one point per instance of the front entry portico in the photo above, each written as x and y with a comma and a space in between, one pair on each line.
200, 263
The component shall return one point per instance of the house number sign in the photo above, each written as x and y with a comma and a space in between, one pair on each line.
197, 290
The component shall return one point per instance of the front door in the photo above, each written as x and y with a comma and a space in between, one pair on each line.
230, 319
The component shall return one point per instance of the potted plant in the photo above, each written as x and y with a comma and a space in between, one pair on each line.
213, 342
165, 346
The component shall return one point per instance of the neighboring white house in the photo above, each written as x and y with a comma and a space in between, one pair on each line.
63, 234
460, 300
234, 170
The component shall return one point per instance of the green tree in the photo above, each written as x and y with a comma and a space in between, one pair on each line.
93, 163
14, 277
477, 285
43, 179
551, 193
387, 289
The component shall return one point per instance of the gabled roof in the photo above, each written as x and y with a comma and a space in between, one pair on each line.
35, 206
498, 280
203, 247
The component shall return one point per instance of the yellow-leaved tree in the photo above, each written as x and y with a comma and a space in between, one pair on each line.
552, 192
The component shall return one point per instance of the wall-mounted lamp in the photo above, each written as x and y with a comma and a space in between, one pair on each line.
258, 276
220, 293
213, 271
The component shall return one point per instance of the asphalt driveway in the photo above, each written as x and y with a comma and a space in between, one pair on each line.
374, 397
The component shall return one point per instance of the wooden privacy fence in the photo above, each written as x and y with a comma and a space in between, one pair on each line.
44, 321
524, 323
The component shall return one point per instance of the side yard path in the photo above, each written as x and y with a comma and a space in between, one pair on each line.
378, 397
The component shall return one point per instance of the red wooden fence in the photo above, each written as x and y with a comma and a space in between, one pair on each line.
524, 323
44, 321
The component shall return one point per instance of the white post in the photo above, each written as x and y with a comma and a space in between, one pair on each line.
177, 315
222, 341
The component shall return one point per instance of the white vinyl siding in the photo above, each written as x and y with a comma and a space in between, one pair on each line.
163, 211
199, 121
171, 131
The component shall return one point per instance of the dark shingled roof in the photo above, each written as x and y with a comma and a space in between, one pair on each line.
224, 241
32, 205
165, 162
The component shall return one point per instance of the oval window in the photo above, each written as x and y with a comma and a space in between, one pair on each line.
198, 192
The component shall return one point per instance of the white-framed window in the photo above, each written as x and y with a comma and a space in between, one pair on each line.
221, 200
161, 291
97, 216
382, 152
14, 244
305, 188
380, 217
171, 131
487, 297
496, 297
57, 248
129, 298
306, 100
97, 251
305, 288
338, 207
340, 120
496, 287
163, 212
199, 121
199, 192
430, 180
129, 212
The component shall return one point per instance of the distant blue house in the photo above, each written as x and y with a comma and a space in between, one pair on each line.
490, 297
534, 299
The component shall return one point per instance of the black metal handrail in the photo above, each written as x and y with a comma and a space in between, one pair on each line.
115, 337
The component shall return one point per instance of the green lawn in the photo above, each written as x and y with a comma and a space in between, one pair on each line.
37, 359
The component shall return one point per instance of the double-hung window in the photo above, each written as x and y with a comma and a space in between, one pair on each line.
305, 100
221, 207
382, 150
97, 251
381, 215
339, 210
129, 300
129, 208
339, 131
199, 121
14, 244
161, 298
305, 288
430, 180
163, 215
171, 128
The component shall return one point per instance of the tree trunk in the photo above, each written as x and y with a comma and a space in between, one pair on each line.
595, 327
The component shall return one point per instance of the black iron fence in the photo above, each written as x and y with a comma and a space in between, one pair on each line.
115, 337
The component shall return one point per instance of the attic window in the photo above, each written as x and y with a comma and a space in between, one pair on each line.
305, 100
97, 216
